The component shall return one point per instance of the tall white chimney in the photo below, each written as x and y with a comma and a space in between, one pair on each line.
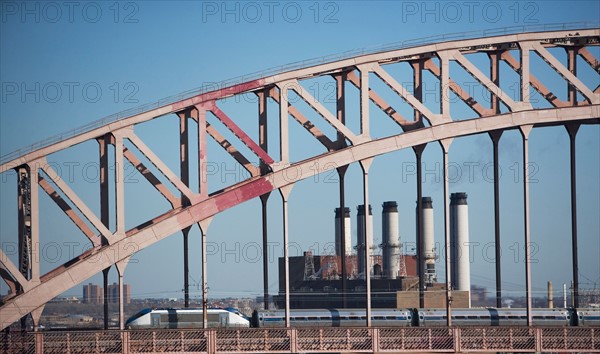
390, 235
459, 243
427, 242
347, 233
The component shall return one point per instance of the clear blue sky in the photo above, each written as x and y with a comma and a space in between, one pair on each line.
66, 64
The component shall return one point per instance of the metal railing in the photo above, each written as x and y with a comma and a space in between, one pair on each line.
294, 66
307, 340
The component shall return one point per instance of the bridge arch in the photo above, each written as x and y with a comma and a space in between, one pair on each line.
196, 207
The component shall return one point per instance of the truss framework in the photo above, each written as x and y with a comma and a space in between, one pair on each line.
31, 290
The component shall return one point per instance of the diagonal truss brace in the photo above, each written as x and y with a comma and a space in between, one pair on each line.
237, 131
227, 146
321, 110
308, 125
231, 150
66, 208
485, 81
434, 119
429, 64
151, 178
78, 203
535, 83
14, 272
161, 166
382, 104
590, 59
564, 72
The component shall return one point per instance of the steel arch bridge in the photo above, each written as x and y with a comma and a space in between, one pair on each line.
32, 290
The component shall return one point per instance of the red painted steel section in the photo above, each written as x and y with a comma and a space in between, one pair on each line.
219, 94
241, 134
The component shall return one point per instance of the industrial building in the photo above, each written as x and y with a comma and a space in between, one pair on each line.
316, 281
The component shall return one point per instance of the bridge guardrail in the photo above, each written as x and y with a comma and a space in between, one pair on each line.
289, 67
306, 340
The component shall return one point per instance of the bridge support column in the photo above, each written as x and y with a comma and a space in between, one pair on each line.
341, 173
204, 224
104, 211
525, 130
495, 136
35, 317
365, 165
445, 144
121, 271
184, 170
264, 169
572, 129
265, 251
285, 193
419, 236
417, 66
340, 80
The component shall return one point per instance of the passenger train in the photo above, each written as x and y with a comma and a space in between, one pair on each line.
231, 318
428, 317
187, 318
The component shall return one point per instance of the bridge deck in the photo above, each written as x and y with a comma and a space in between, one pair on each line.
308, 340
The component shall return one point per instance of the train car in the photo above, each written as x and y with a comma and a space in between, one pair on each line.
333, 318
495, 317
186, 318
588, 317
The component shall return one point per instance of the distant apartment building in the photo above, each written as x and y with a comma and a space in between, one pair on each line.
113, 293
92, 294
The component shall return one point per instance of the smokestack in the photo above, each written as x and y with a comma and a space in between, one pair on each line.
360, 233
459, 243
427, 242
347, 233
390, 235
550, 296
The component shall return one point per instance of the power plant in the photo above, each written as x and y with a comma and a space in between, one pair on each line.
317, 279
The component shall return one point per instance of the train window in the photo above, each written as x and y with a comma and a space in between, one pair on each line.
379, 318
354, 318
473, 317
325, 318
312, 318
461, 317
390, 317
